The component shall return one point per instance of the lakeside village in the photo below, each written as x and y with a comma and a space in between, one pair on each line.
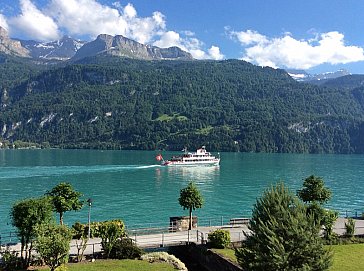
18, 144
287, 231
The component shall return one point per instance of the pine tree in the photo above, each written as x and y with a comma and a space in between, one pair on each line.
282, 236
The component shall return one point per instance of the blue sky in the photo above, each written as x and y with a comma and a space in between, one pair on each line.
317, 36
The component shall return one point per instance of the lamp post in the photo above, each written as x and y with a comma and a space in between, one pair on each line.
89, 201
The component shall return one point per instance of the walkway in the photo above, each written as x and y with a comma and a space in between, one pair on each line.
197, 235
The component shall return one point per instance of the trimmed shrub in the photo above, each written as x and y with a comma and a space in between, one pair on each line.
219, 238
125, 249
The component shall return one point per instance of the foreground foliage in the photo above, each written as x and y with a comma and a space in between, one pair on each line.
109, 231
125, 249
315, 194
219, 238
53, 244
283, 237
190, 198
64, 199
27, 215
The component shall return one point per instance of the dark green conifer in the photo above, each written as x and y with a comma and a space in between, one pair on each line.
282, 236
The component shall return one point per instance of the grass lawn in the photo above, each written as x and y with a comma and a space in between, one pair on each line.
226, 252
118, 265
346, 257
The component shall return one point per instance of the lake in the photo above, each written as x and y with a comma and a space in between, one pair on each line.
132, 186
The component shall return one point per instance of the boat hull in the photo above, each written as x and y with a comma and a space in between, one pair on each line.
185, 163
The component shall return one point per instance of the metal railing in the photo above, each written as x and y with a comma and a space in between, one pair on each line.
164, 228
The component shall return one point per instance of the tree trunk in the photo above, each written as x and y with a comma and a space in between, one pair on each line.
61, 218
190, 226
22, 250
30, 254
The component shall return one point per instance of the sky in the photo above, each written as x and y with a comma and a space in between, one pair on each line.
312, 35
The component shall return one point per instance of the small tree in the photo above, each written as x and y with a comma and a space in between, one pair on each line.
110, 232
315, 194
282, 236
26, 216
190, 198
53, 244
80, 233
328, 222
314, 190
350, 227
65, 199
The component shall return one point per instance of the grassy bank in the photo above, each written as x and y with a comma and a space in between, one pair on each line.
346, 257
117, 265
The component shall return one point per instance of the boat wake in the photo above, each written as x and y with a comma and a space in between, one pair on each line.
45, 171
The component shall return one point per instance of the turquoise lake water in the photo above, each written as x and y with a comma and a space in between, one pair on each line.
130, 185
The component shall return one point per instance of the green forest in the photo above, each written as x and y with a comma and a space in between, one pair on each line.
109, 102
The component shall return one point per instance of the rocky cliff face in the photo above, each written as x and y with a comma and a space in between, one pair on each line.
124, 47
68, 48
11, 47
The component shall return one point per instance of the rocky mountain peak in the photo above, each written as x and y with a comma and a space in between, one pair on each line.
11, 47
62, 49
125, 47
3, 33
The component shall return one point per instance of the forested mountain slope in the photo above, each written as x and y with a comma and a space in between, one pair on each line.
231, 105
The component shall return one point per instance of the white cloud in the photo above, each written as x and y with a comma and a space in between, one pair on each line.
168, 39
86, 19
129, 11
250, 37
215, 53
89, 17
3, 22
287, 52
33, 23
188, 43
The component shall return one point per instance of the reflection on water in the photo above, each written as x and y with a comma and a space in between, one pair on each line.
197, 174
200, 173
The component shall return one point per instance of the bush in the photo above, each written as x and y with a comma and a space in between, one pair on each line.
219, 238
350, 227
10, 260
125, 249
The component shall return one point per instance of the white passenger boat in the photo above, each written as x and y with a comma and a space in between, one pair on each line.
199, 158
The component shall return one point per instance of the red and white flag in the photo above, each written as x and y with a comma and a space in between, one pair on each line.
159, 157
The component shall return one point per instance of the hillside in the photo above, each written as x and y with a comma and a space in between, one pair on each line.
120, 103
348, 81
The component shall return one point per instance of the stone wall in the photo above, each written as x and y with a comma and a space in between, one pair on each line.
204, 257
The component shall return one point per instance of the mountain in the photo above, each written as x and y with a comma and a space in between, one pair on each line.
320, 78
122, 103
69, 48
299, 75
349, 81
124, 47
62, 49
11, 47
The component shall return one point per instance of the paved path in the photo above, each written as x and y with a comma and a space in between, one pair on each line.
197, 235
